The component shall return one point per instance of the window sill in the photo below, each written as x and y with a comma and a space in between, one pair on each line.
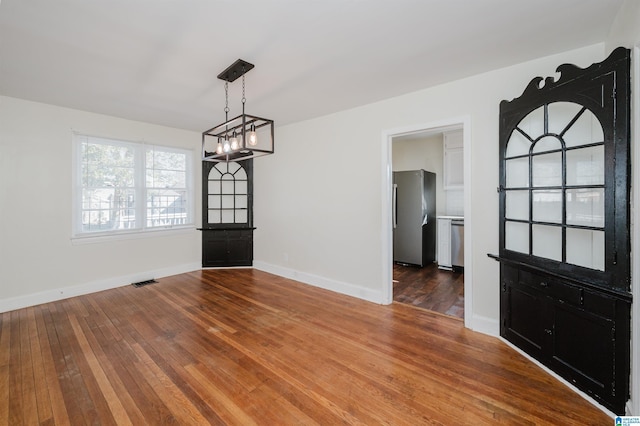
132, 235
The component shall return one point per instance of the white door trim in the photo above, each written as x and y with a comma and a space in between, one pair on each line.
386, 191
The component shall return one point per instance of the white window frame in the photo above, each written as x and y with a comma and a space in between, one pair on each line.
140, 189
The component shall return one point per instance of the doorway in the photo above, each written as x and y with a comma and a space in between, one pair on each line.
433, 284
431, 275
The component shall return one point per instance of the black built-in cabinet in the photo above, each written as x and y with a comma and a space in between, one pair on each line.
227, 213
564, 225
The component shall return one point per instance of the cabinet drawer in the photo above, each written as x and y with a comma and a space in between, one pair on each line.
552, 287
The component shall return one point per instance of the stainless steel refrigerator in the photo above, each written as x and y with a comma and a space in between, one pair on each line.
414, 217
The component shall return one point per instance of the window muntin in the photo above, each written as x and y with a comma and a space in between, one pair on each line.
554, 194
228, 194
123, 187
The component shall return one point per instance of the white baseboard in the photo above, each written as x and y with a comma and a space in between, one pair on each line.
25, 301
551, 372
322, 282
485, 325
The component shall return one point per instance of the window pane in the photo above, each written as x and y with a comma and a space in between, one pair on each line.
517, 237
241, 216
517, 205
585, 248
214, 201
241, 174
227, 201
166, 208
241, 187
214, 187
241, 201
585, 207
227, 187
547, 169
547, 143
517, 173
517, 145
547, 206
547, 242
214, 216
587, 129
533, 123
108, 210
560, 115
585, 166
227, 216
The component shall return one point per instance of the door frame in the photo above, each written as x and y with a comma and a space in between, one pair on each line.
463, 122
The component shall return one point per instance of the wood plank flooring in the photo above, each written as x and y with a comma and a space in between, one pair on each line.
430, 288
245, 347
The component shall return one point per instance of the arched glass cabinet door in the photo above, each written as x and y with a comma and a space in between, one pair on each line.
227, 195
565, 174
554, 186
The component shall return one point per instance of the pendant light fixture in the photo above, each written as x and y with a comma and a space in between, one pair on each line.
243, 137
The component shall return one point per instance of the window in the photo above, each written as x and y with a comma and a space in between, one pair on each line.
123, 187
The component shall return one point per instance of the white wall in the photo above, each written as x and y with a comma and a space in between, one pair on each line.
38, 261
318, 200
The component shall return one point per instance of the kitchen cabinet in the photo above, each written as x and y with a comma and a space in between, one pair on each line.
453, 162
564, 225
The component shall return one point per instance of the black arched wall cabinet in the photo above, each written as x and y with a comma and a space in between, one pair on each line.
227, 213
564, 225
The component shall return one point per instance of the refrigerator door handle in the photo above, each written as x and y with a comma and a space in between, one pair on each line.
394, 203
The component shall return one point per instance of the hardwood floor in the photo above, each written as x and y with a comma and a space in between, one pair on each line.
245, 347
429, 288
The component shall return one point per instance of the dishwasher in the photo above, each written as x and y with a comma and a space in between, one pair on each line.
457, 245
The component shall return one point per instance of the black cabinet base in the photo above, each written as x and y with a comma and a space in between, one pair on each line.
227, 247
581, 333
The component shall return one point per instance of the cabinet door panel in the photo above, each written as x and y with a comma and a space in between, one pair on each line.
584, 348
527, 323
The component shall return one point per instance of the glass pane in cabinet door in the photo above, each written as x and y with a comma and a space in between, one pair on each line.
587, 129
547, 242
214, 216
547, 143
547, 169
241, 216
585, 207
585, 248
517, 205
585, 166
516, 237
214, 187
241, 202
214, 201
517, 173
227, 202
533, 123
227, 216
547, 206
241, 187
560, 115
517, 145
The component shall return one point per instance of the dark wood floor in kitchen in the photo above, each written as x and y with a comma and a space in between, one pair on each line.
429, 288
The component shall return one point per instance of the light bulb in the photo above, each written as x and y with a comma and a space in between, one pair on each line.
253, 138
219, 148
226, 146
234, 141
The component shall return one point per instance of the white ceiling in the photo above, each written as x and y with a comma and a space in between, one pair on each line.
157, 60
